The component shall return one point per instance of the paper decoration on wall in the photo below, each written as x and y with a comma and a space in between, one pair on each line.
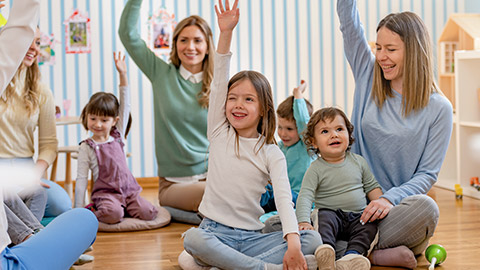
160, 31
77, 33
3, 21
47, 49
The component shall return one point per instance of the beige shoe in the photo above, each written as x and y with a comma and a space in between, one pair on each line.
187, 262
325, 256
353, 262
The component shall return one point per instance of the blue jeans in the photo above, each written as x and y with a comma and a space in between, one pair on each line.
58, 200
57, 246
226, 247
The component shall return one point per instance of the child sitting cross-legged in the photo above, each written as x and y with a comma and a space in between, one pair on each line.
338, 182
243, 157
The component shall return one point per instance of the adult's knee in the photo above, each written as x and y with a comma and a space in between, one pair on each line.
430, 211
58, 201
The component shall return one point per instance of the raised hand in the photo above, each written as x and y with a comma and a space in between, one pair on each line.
120, 63
227, 18
121, 68
298, 91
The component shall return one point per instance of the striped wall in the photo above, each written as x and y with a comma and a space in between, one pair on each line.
286, 40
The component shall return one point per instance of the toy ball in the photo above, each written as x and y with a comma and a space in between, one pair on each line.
435, 254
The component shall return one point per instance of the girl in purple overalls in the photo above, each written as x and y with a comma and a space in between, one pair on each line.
115, 190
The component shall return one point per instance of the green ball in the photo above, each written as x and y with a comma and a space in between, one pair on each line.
437, 251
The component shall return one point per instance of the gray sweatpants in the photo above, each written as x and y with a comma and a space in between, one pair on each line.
21, 221
411, 223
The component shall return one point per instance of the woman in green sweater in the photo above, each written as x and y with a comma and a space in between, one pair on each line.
180, 97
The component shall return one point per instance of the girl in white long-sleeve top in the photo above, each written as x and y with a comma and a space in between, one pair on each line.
243, 158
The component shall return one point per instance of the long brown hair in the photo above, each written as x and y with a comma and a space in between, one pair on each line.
418, 75
267, 124
198, 21
31, 91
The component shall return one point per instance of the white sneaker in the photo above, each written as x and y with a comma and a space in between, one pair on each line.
187, 262
353, 262
325, 255
83, 259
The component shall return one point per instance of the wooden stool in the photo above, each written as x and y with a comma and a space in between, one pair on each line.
68, 150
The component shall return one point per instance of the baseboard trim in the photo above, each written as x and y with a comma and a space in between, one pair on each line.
144, 182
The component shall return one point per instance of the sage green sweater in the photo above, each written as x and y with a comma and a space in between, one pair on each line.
180, 122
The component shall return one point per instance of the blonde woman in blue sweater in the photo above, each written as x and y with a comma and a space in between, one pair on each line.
402, 125
180, 98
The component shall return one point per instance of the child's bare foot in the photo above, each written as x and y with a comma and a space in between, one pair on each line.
398, 256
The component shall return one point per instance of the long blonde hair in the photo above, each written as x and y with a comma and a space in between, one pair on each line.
31, 93
418, 76
267, 124
198, 21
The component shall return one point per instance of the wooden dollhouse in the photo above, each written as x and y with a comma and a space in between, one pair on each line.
461, 32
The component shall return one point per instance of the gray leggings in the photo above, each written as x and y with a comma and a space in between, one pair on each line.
21, 221
411, 223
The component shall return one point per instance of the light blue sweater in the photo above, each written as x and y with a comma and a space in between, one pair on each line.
404, 153
298, 159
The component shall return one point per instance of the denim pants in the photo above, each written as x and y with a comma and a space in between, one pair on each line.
58, 200
226, 247
57, 246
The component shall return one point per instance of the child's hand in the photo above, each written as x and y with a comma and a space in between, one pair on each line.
227, 18
298, 91
302, 226
293, 258
120, 63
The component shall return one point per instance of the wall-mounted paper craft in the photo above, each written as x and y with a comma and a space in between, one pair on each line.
77, 33
47, 49
160, 31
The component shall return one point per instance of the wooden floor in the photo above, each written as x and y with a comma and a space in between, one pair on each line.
458, 231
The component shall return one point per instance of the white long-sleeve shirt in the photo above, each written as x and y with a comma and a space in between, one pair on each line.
235, 183
15, 38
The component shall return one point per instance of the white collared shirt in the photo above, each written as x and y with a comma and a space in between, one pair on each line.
187, 75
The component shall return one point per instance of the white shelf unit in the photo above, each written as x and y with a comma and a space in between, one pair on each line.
462, 162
